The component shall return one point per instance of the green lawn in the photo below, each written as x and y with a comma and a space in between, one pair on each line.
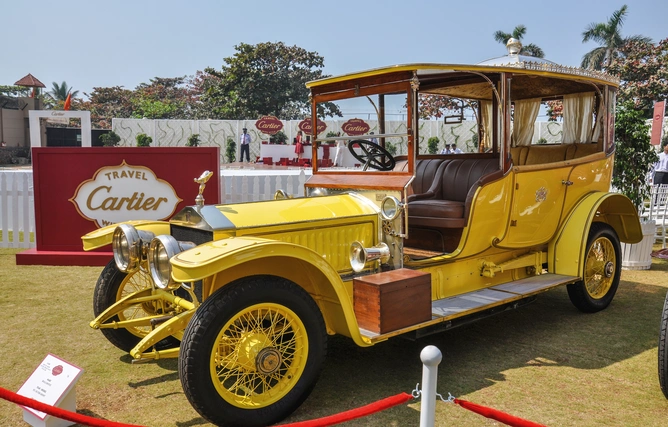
545, 362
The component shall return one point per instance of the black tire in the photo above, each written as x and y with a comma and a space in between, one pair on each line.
602, 269
663, 349
217, 374
111, 286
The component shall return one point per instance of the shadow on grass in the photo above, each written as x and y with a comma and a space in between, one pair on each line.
549, 331
193, 422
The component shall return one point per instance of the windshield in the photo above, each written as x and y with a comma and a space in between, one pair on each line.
372, 131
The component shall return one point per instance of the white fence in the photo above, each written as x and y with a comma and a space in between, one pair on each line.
17, 204
17, 209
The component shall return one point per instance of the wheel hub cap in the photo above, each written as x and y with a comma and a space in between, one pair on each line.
268, 360
250, 347
609, 269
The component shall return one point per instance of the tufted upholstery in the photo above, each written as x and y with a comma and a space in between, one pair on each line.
447, 202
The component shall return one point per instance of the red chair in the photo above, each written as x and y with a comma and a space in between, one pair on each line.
268, 160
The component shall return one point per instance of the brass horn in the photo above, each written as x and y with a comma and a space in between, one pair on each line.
359, 255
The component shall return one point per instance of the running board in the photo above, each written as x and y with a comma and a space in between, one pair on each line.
448, 313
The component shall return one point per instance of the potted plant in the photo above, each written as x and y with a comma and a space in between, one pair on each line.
110, 139
332, 134
231, 150
278, 138
432, 145
634, 158
143, 140
193, 140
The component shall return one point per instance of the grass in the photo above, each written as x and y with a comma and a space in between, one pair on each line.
545, 362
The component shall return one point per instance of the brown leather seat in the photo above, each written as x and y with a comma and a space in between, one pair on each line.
447, 202
425, 174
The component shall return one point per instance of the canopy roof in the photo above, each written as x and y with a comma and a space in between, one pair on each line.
29, 81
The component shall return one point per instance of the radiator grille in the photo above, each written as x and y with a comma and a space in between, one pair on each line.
194, 235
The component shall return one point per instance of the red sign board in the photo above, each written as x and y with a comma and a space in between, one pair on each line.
657, 122
79, 189
269, 125
306, 126
354, 127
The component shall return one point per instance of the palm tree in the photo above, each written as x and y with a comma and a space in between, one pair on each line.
60, 92
518, 32
608, 36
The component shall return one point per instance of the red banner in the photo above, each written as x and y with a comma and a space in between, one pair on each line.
355, 127
80, 189
657, 122
306, 125
269, 125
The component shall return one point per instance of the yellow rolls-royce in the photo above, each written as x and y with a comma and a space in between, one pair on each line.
245, 295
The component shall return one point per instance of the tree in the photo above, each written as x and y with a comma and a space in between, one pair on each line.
60, 92
436, 105
519, 32
105, 103
163, 98
266, 79
642, 70
634, 155
608, 36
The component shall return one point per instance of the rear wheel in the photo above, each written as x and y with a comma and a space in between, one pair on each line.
602, 269
252, 352
663, 349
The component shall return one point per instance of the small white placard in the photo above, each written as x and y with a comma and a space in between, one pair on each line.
50, 382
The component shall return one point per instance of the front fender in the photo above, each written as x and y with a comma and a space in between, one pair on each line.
102, 236
613, 209
239, 257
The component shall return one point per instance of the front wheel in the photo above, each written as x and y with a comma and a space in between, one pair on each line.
663, 349
602, 269
114, 285
252, 352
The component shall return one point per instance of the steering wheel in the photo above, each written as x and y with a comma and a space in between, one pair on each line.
372, 155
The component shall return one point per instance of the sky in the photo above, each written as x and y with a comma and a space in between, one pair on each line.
89, 43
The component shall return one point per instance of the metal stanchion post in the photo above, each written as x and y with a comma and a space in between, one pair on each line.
431, 356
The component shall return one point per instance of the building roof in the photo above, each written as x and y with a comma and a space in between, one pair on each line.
30, 81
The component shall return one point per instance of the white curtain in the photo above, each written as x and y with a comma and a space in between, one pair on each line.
487, 123
524, 119
598, 127
578, 118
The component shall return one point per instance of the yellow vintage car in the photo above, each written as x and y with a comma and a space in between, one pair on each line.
245, 295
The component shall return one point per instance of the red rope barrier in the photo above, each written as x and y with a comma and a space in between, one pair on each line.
363, 411
507, 419
58, 412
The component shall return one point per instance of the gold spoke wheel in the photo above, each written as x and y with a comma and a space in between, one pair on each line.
260, 355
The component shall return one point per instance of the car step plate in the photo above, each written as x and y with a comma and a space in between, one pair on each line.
458, 306
497, 295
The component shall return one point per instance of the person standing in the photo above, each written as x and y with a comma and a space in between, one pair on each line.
338, 156
244, 143
661, 168
299, 145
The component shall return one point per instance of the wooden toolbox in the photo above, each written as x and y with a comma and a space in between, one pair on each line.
392, 300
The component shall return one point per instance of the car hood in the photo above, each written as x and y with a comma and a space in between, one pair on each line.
274, 212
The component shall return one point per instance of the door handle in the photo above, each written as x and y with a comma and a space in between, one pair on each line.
566, 182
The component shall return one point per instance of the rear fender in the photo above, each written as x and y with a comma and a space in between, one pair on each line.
613, 209
227, 260
102, 236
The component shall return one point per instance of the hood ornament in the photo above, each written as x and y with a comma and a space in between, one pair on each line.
199, 200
